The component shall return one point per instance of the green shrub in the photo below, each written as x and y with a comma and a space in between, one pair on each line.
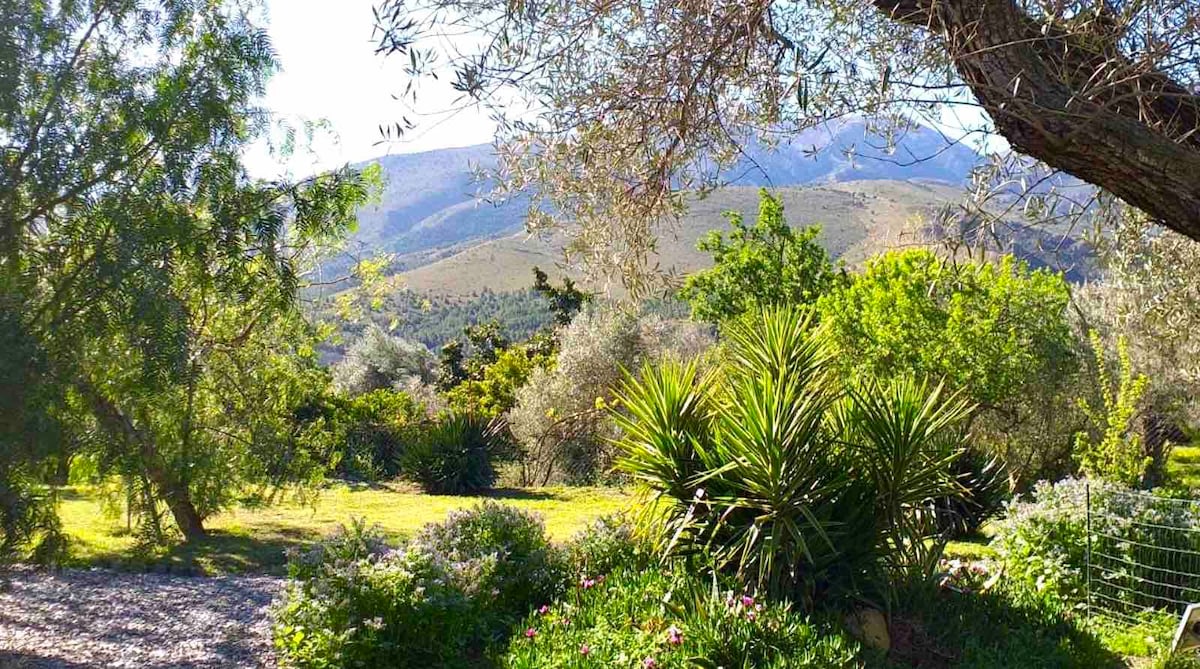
516, 568
998, 332
455, 455
362, 437
367, 612
440, 601
1042, 540
668, 618
799, 484
606, 545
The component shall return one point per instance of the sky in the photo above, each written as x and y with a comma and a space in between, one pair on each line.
331, 73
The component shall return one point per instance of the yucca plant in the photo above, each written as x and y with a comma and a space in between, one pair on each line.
455, 455
780, 471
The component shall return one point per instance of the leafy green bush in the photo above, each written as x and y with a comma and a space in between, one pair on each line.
1042, 539
1112, 448
607, 544
996, 331
439, 601
455, 455
799, 484
769, 264
660, 619
517, 567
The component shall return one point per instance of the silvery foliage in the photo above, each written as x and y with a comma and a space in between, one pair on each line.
378, 360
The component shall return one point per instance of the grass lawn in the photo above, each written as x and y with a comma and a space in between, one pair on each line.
248, 540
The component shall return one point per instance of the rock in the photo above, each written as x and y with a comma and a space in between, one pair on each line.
870, 627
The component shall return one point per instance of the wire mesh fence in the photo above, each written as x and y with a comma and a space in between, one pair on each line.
1143, 554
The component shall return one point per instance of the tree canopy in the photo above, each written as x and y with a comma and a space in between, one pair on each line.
997, 332
152, 279
768, 264
613, 110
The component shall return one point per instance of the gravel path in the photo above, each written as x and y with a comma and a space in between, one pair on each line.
109, 619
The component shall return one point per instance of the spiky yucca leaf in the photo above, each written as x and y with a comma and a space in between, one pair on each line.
778, 471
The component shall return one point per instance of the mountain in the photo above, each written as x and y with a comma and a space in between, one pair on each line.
431, 201
866, 197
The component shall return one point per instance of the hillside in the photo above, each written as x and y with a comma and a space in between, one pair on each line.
857, 219
431, 206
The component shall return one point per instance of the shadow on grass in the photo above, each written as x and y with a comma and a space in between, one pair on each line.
949, 630
219, 553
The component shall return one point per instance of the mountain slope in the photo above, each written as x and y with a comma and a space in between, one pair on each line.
857, 219
431, 203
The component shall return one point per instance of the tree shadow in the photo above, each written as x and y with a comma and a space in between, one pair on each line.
24, 660
943, 629
221, 552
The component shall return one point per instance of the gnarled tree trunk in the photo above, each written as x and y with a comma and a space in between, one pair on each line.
1075, 102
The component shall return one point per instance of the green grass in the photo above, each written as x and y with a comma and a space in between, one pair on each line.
1183, 468
250, 540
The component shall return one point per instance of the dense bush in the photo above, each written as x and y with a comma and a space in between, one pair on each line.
367, 434
997, 332
456, 454
658, 619
377, 360
604, 546
440, 601
769, 264
1043, 539
494, 392
519, 568
797, 483
560, 416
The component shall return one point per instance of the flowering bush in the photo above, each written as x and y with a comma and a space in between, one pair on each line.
438, 601
1042, 540
366, 612
661, 619
514, 566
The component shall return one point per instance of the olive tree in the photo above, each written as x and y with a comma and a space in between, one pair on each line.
610, 111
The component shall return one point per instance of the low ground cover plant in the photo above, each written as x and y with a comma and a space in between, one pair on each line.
663, 618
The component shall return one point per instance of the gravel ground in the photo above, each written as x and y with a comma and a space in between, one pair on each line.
101, 618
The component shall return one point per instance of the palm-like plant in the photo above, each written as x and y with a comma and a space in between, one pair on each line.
783, 473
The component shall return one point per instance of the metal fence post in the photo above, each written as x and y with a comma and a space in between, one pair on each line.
1087, 490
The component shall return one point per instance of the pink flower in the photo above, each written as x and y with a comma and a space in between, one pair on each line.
544, 610
530, 633
674, 635
649, 663
587, 583
565, 622
747, 600
751, 615
585, 649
